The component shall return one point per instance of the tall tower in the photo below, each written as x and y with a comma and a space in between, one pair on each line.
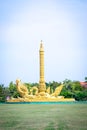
42, 86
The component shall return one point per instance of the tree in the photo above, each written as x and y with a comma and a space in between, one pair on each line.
4, 93
13, 90
1, 93
74, 89
85, 79
53, 85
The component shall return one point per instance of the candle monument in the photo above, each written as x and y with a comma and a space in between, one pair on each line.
41, 93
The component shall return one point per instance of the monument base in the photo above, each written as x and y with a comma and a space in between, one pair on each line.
42, 99
44, 96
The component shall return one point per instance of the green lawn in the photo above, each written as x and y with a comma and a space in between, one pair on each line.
43, 117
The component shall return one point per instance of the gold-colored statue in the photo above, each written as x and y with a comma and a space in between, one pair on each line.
29, 96
23, 91
57, 91
38, 93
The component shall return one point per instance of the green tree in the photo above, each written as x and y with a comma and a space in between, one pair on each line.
74, 89
85, 79
13, 90
53, 85
1, 93
4, 93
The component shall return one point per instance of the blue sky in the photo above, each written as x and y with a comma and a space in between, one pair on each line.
61, 24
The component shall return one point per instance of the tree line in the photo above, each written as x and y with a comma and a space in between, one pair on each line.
71, 89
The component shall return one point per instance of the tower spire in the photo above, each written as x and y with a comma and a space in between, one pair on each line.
41, 45
42, 86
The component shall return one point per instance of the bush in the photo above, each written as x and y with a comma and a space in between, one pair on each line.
81, 95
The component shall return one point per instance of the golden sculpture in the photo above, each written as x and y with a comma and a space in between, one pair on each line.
42, 86
38, 96
40, 93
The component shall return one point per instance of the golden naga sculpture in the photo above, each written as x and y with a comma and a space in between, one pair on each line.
23, 91
57, 91
28, 96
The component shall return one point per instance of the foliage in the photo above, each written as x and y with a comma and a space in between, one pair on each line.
4, 92
1, 93
73, 89
13, 90
81, 95
85, 79
53, 85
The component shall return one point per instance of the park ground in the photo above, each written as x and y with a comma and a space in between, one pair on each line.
43, 116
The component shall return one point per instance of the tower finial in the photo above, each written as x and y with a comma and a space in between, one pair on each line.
41, 41
41, 44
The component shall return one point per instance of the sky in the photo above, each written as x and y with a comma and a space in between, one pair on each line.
60, 24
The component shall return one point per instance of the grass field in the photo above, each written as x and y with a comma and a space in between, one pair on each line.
43, 117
